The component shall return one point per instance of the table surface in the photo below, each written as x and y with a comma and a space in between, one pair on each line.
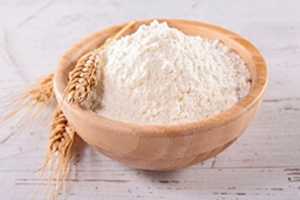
263, 164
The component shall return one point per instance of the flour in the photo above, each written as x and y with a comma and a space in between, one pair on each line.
159, 75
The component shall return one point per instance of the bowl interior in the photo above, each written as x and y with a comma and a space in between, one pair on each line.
244, 48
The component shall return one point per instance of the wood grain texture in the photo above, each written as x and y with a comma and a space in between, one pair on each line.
263, 164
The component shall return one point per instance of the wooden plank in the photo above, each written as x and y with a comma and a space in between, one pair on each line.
250, 183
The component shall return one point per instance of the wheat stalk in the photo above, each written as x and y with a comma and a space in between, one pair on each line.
61, 133
82, 84
83, 81
40, 93
19, 104
83, 78
60, 150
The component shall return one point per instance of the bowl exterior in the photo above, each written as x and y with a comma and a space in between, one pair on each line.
162, 151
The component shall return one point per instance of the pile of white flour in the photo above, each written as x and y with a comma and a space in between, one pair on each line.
159, 75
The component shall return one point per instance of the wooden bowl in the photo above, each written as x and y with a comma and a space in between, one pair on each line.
165, 147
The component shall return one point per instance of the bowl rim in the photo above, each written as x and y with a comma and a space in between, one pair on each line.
176, 129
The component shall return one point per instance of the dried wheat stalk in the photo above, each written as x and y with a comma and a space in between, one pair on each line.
60, 150
83, 78
39, 94
82, 83
20, 105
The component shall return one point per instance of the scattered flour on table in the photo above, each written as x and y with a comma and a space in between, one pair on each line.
159, 75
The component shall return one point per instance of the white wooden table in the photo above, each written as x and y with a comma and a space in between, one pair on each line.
263, 164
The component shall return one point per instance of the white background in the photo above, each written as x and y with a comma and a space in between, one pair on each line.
263, 164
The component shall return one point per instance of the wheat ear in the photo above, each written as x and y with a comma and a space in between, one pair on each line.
83, 78
40, 93
19, 104
60, 150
